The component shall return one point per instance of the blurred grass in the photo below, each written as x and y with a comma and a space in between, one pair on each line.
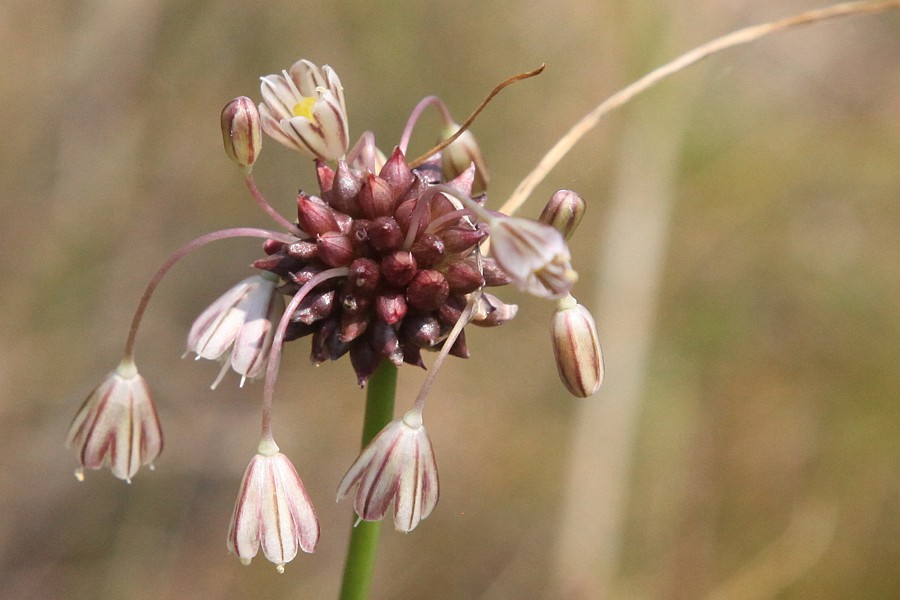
772, 381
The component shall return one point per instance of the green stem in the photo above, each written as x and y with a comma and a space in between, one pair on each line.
364, 537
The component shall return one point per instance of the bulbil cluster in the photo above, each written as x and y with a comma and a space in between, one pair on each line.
411, 255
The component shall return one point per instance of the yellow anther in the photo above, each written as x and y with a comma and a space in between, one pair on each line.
304, 108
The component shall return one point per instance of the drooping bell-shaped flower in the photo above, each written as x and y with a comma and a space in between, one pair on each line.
534, 255
303, 108
238, 328
117, 425
397, 466
272, 510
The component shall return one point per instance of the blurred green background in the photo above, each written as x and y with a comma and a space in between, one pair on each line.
740, 255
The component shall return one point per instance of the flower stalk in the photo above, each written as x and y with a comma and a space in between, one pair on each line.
360, 563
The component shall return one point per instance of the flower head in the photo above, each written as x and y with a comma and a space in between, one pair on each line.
304, 109
117, 425
576, 347
411, 255
238, 327
273, 510
397, 466
534, 255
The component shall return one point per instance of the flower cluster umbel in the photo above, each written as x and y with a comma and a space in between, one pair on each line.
386, 259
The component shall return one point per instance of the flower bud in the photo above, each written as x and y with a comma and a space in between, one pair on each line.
397, 173
576, 348
314, 215
391, 307
384, 234
427, 290
399, 268
563, 212
462, 153
241, 131
335, 249
375, 198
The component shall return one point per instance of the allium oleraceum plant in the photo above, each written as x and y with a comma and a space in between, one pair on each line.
387, 260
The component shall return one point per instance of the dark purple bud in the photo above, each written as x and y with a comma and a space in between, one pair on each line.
404, 215
459, 347
295, 331
344, 189
303, 250
315, 216
355, 304
451, 310
325, 175
375, 199
335, 249
364, 276
463, 182
412, 354
326, 342
384, 234
315, 306
359, 237
459, 240
428, 250
397, 174
272, 246
399, 268
364, 360
276, 263
302, 275
391, 307
493, 274
428, 290
417, 188
422, 330
463, 277
353, 326
385, 342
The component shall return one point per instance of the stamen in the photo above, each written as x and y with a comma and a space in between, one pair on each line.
304, 107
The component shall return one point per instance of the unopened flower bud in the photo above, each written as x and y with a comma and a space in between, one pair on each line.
397, 173
576, 348
241, 131
314, 215
463, 277
335, 249
460, 155
563, 212
427, 290
399, 268
384, 234
391, 307
375, 198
